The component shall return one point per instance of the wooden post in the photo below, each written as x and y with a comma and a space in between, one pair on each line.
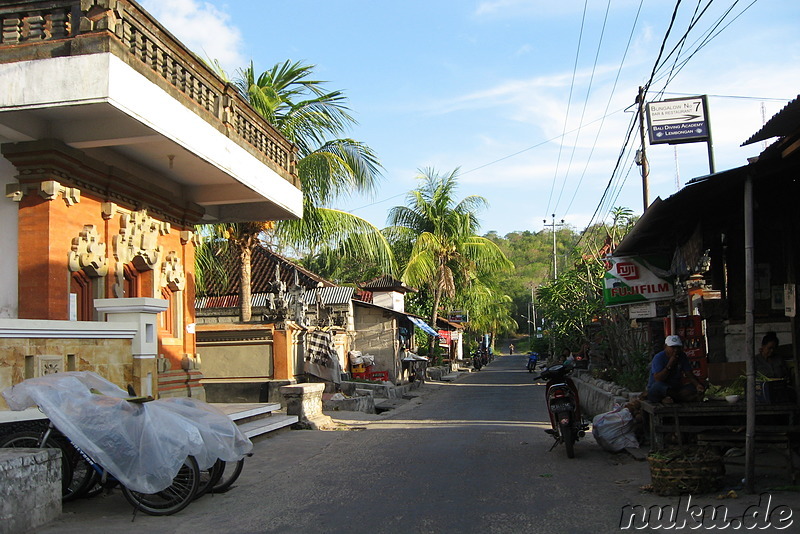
749, 336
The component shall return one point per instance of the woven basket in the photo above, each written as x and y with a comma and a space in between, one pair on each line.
685, 470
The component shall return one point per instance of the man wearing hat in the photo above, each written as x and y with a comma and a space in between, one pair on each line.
667, 371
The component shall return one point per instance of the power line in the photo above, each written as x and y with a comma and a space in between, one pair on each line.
569, 103
608, 104
585, 104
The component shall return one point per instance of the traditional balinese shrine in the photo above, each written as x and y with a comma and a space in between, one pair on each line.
116, 140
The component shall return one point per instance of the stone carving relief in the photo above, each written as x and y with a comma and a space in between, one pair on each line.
137, 243
48, 365
49, 190
88, 253
286, 302
172, 274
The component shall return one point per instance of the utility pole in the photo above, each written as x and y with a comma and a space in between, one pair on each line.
554, 227
641, 156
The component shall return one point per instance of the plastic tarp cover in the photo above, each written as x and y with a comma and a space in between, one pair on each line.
143, 445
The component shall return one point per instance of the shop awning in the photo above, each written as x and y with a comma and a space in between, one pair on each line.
423, 326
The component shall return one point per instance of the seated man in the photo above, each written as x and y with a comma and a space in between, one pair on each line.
667, 371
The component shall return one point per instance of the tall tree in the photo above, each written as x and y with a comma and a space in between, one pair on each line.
329, 167
446, 252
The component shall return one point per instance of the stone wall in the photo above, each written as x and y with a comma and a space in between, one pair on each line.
28, 357
30, 488
377, 335
599, 396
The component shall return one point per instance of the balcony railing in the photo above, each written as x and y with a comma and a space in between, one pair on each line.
36, 29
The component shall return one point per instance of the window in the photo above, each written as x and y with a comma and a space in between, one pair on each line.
170, 321
83, 287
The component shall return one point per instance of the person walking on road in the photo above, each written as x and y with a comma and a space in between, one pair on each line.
511, 349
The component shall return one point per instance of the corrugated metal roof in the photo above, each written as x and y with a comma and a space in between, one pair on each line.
336, 295
783, 123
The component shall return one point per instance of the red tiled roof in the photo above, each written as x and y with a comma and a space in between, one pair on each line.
263, 266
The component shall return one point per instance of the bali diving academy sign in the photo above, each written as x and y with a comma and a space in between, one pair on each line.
679, 120
631, 279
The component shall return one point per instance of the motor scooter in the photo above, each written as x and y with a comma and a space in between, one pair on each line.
533, 360
477, 361
564, 408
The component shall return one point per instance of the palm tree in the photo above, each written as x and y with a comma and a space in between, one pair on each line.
328, 167
446, 253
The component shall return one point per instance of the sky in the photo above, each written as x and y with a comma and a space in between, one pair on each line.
532, 100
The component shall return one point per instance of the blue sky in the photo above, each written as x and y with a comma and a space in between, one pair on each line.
526, 97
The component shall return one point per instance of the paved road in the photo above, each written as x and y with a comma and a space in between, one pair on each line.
469, 456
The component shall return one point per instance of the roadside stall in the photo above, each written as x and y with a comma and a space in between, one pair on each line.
732, 244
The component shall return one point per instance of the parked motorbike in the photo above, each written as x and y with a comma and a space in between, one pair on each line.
533, 360
477, 361
563, 406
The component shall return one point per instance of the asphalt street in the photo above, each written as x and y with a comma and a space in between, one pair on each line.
467, 456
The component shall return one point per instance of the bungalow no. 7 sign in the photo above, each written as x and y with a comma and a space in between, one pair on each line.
678, 120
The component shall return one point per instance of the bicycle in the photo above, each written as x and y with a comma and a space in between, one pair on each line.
81, 474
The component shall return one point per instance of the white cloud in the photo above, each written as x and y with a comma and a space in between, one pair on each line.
202, 27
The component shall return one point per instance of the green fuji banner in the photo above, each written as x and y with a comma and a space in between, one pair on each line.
632, 279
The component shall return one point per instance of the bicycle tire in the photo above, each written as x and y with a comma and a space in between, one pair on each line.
228, 476
82, 471
209, 478
29, 439
171, 499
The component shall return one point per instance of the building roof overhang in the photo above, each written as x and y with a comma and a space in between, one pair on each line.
157, 109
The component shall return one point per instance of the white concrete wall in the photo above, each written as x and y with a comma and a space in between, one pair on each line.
389, 299
29, 85
735, 336
8, 245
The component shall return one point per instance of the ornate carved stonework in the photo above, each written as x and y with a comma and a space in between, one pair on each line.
48, 365
88, 253
137, 243
49, 190
172, 274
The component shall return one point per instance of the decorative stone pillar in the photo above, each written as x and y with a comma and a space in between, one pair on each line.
143, 312
305, 401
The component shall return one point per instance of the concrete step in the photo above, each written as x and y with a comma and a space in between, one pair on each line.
258, 427
255, 419
244, 412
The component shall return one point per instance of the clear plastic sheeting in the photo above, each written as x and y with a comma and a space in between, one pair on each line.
143, 445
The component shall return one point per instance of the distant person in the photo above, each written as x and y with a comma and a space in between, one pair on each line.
668, 370
767, 362
511, 349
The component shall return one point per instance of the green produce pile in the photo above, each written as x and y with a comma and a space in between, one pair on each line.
737, 387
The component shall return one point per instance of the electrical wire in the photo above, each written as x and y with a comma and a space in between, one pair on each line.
569, 103
585, 104
608, 104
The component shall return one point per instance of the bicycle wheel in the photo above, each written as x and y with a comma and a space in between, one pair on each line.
82, 471
171, 499
228, 476
209, 478
32, 440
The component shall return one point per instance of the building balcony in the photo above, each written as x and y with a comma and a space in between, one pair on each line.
104, 77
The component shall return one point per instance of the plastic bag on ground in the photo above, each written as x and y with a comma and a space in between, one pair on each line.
613, 430
141, 445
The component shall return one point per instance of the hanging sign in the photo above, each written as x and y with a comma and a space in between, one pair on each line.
631, 279
679, 120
